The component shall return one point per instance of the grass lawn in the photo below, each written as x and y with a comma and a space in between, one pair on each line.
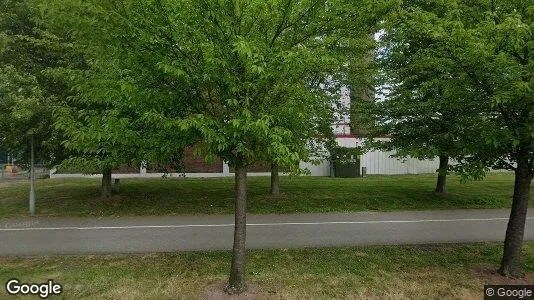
413, 272
80, 197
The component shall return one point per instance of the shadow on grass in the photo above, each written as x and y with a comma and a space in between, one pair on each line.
80, 197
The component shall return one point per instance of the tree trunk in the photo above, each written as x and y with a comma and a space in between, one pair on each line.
442, 175
275, 180
332, 169
236, 284
511, 259
106, 183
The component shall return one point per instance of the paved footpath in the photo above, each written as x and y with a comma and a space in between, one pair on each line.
41, 236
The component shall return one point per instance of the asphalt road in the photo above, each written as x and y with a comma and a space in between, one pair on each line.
42, 236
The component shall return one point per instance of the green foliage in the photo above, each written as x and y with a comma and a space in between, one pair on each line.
498, 62
344, 154
430, 108
29, 92
22, 111
251, 81
459, 76
113, 116
98, 122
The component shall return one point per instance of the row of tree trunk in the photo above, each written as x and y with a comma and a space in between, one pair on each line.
236, 283
511, 260
107, 188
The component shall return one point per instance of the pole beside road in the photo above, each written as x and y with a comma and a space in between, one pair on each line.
32, 182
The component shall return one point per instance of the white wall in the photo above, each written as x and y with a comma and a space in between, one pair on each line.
378, 162
349, 142
323, 169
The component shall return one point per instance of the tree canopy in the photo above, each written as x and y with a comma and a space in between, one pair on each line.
462, 85
251, 81
28, 92
499, 62
430, 109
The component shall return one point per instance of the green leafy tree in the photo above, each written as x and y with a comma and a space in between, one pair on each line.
22, 116
498, 59
247, 79
309, 132
429, 109
362, 88
110, 120
486, 47
250, 49
28, 91
98, 123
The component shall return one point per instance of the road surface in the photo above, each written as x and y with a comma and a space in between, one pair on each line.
43, 236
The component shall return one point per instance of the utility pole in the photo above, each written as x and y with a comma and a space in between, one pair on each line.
32, 182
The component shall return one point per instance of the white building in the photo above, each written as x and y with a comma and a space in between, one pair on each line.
375, 162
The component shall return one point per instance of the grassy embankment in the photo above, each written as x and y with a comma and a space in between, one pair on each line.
414, 272
80, 197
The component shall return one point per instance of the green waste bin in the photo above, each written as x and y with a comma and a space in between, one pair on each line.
347, 169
